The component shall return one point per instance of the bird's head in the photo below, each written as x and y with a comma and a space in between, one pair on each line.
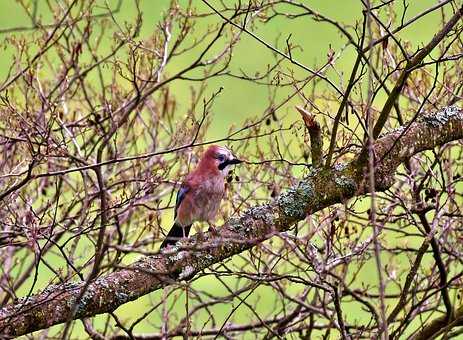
219, 158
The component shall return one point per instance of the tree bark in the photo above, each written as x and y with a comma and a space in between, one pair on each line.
319, 189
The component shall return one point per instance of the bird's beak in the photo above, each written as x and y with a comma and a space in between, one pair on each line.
234, 161
229, 162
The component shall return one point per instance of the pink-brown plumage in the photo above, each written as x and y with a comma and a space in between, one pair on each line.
201, 192
206, 190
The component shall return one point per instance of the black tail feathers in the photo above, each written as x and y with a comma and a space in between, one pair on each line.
175, 234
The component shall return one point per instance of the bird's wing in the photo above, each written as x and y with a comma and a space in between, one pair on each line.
180, 197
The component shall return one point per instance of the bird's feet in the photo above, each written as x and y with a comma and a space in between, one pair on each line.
213, 230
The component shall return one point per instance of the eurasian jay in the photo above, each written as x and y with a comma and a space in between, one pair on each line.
199, 196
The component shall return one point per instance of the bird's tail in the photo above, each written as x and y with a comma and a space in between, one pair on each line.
175, 234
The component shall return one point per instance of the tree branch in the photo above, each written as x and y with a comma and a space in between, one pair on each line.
315, 133
319, 189
440, 325
411, 65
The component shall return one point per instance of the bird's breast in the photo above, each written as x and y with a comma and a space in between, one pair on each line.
210, 191
208, 198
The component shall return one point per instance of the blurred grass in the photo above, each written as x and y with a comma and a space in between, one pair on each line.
240, 100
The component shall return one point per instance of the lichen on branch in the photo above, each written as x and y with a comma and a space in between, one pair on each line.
319, 189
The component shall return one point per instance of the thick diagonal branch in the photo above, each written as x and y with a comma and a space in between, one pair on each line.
318, 190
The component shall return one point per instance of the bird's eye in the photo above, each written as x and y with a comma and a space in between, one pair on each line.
221, 158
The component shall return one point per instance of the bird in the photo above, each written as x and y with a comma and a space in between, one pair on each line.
199, 196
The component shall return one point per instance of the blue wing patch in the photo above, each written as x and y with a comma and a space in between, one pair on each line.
180, 196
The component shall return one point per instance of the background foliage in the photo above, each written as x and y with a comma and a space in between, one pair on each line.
228, 103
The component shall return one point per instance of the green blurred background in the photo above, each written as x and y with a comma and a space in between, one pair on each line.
241, 99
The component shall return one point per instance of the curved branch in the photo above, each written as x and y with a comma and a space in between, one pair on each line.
318, 190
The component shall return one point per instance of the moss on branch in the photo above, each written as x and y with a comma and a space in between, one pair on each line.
318, 190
